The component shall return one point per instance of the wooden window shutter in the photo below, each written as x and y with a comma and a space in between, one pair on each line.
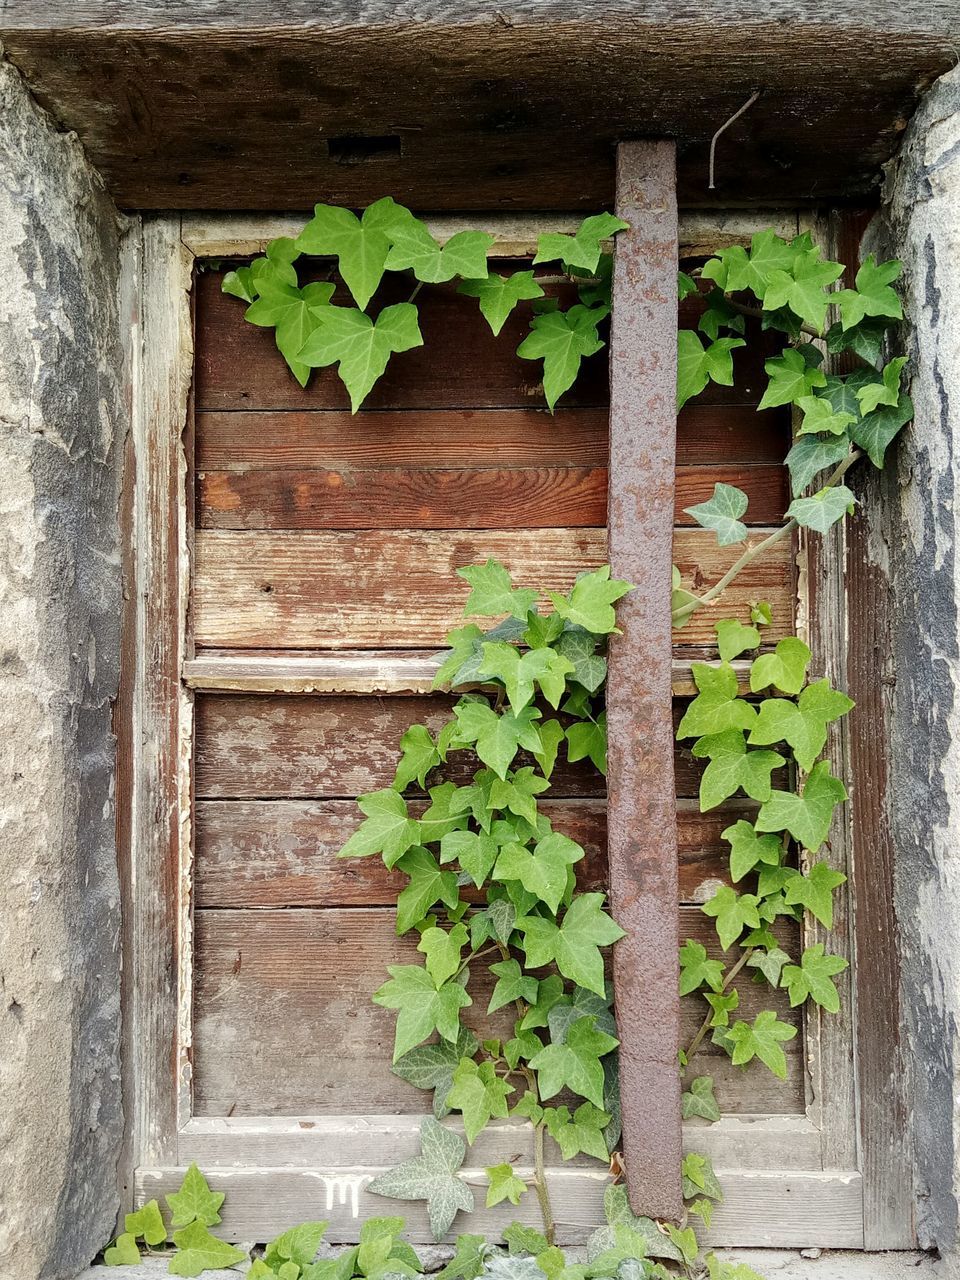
642, 818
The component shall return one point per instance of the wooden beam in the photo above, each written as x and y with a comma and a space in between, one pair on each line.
642, 846
217, 106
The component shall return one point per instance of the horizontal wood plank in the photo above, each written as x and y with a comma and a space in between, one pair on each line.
733, 1142
302, 747
370, 589
276, 990
447, 498
283, 853
707, 435
760, 1209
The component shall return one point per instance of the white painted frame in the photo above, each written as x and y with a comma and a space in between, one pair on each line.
790, 1181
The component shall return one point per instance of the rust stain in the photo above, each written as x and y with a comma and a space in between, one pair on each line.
642, 840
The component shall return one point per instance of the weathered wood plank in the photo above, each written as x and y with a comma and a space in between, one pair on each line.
445, 498
302, 747
283, 853
346, 671
761, 1208
369, 589
707, 435
283, 986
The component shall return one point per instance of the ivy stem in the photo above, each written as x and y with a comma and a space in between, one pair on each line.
699, 1038
753, 552
416, 289
474, 955
540, 1184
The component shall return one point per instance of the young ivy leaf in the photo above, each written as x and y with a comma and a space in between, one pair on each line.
360, 244
360, 346
762, 1040
581, 1131
686, 285
884, 392
803, 287
823, 509
872, 295
733, 912
574, 944
443, 950
552, 733
587, 740
516, 794
733, 766
808, 816
698, 1177
295, 314
696, 969
497, 737
786, 667
802, 724
468, 1260
791, 377
820, 418
198, 1250
813, 978
414, 248
543, 871
722, 514
476, 851
504, 1185
582, 249
519, 673
124, 1252
479, 1094
733, 638
493, 593
747, 849
522, 1239
431, 1176
422, 1006
562, 339
299, 1245
512, 984
722, 1004
388, 829
431, 1066
575, 1064
700, 1101
815, 891
812, 454
589, 603
194, 1200
717, 707
428, 884
420, 755
697, 365
734, 269
499, 295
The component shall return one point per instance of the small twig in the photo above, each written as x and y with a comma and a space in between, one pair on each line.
698, 1039
726, 125
416, 290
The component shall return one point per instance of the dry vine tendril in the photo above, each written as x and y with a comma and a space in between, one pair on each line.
491, 885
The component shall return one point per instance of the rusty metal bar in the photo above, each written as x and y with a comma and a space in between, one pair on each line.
642, 820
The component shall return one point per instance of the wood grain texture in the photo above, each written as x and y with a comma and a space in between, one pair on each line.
277, 990
762, 1208
232, 93
302, 747
241, 440
478, 498
283, 853
400, 589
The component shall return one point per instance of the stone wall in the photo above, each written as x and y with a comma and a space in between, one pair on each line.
921, 225
62, 416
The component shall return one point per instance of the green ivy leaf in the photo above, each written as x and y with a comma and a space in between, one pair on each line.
733, 638
580, 1132
747, 849
493, 593
791, 378
543, 871
431, 1066
574, 944
686, 1242
717, 707
422, 1006
812, 454
884, 392
414, 248
802, 724
722, 514
299, 1245
618, 1213
516, 794
769, 961
762, 1040
872, 296
431, 1176
552, 734
808, 816
420, 755
194, 1200
468, 1260
587, 740
579, 647
875, 432
499, 295
735, 270
733, 912
429, 883
124, 1252
521, 672
732, 766
445, 813
575, 1064
504, 1185
866, 339
238, 284
590, 601
512, 984
815, 891
722, 1004
823, 509
388, 828
148, 1223
443, 951
686, 285
582, 249
697, 365
729, 1270
819, 417
786, 667
360, 346
700, 1101
465, 643
696, 970
562, 339
475, 851
803, 287
719, 314
295, 314
479, 1094
698, 1177
198, 1251
498, 738
522, 1239
813, 979
360, 245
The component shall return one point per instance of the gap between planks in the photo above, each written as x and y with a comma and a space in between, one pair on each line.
357, 671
